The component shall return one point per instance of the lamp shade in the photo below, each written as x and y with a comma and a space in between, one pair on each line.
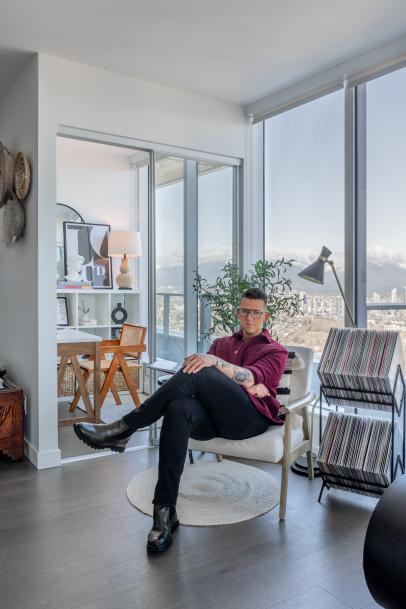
315, 271
126, 242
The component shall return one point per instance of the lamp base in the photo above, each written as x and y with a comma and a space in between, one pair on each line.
124, 279
300, 467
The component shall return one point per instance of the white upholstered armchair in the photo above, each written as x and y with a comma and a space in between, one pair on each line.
278, 444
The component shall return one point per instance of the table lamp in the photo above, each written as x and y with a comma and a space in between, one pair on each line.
315, 273
125, 244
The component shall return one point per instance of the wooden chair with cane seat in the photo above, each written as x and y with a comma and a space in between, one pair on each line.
126, 352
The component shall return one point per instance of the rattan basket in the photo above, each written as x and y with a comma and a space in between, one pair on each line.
68, 385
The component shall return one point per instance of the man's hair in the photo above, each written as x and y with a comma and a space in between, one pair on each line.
255, 294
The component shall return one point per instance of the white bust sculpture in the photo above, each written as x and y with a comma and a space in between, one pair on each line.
75, 264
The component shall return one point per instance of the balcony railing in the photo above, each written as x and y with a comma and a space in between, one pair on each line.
170, 332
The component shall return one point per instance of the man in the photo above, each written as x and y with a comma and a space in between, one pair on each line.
228, 392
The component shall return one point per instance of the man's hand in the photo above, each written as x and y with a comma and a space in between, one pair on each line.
194, 363
260, 391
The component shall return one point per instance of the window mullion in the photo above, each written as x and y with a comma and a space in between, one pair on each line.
190, 254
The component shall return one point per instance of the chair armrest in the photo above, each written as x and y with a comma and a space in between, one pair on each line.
299, 404
113, 341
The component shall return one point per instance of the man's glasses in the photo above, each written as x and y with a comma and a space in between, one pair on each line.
253, 312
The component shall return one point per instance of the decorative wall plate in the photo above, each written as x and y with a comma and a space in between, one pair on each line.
6, 175
22, 176
12, 221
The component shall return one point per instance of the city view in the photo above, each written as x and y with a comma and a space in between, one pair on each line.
322, 306
304, 210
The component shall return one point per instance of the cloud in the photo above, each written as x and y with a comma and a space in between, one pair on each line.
380, 255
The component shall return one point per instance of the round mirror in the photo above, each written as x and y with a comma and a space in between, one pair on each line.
64, 213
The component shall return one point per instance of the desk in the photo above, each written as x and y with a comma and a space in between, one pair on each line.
72, 343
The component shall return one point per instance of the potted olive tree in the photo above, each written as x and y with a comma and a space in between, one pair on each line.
222, 298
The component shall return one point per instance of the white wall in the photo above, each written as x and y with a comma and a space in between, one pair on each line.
82, 97
96, 180
19, 268
90, 98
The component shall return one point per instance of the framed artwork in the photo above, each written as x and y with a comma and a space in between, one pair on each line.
64, 213
62, 315
86, 254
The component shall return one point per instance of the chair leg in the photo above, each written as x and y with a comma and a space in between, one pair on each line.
115, 393
130, 383
285, 467
77, 397
191, 460
108, 380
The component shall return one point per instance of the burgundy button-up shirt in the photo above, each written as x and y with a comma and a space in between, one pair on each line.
264, 357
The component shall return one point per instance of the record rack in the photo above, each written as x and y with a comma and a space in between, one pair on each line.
362, 369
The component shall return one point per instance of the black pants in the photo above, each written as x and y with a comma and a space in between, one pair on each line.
204, 405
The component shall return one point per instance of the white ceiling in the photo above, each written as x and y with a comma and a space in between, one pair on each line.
230, 49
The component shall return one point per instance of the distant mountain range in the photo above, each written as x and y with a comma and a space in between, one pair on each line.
382, 277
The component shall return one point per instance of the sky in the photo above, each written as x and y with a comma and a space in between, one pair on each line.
304, 181
305, 173
215, 202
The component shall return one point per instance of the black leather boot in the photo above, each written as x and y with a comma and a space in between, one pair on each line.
110, 435
165, 523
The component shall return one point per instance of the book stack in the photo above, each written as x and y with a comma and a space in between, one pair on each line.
358, 368
74, 285
355, 453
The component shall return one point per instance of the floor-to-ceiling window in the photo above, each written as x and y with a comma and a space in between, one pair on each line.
385, 202
195, 230
304, 210
169, 252
216, 234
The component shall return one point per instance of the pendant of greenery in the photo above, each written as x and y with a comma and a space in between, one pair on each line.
223, 296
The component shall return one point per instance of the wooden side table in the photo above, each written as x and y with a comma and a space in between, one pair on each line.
12, 421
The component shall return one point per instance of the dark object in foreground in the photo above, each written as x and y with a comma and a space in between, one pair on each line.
385, 548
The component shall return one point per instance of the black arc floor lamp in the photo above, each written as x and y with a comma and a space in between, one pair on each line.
315, 273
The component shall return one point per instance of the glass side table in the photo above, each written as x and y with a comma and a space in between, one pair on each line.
167, 367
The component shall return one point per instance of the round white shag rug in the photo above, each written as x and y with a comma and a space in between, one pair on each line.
212, 493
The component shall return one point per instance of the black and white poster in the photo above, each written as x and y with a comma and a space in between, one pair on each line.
86, 254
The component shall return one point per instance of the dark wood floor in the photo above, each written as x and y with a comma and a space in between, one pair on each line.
70, 539
70, 446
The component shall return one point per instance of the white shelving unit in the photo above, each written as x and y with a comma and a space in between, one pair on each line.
101, 304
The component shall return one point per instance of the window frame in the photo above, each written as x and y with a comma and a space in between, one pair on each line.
190, 237
355, 203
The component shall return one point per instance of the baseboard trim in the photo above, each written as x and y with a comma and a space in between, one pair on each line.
108, 453
42, 459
